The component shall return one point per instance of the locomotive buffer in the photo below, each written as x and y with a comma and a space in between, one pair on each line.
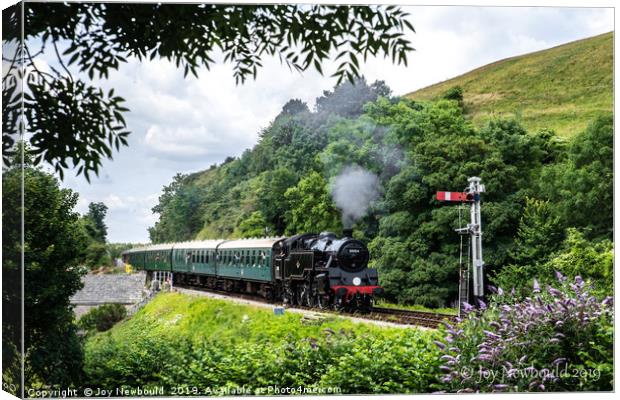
474, 230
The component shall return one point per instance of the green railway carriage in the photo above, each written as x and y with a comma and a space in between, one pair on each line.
157, 257
135, 258
198, 257
246, 259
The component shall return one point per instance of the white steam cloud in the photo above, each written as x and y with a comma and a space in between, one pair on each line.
353, 190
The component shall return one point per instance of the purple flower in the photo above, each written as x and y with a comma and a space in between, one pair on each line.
559, 276
536, 286
553, 291
445, 368
558, 361
440, 345
491, 334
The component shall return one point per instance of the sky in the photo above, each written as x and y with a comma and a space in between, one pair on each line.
186, 124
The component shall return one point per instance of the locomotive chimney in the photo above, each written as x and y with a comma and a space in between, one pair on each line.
347, 232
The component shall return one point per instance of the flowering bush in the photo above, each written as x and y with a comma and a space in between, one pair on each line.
556, 340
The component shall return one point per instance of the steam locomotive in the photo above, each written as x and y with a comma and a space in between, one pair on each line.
315, 270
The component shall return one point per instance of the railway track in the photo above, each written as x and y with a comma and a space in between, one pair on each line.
395, 316
410, 317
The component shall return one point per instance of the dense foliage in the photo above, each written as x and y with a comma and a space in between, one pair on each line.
103, 317
538, 186
556, 340
181, 342
95, 253
53, 243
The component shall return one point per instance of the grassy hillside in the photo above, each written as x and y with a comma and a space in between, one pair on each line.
180, 341
562, 88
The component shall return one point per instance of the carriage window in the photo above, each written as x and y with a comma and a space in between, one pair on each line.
207, 258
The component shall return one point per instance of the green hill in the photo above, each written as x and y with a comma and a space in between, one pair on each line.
562, 88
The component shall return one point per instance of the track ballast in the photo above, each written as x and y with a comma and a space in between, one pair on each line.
396, 316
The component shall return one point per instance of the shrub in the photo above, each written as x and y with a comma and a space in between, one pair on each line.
454, 93
183, 342
103, 317
559, 340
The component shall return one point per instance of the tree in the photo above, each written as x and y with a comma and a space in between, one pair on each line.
582, 185
539, 235
53, 242
590, 260
101, 36
348, 98
253, 226
271, 201
96, 226
179, 210
294, 106
310, 207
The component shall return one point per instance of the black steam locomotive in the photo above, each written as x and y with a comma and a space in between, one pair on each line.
315, 270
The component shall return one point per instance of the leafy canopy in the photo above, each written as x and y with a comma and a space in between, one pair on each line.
72, 120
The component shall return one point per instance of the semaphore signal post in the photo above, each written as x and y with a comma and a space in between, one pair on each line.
471, 195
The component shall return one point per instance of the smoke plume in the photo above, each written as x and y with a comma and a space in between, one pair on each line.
353, 190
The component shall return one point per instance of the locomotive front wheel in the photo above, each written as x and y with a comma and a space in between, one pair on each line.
288, 296
322, 301
300, 296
